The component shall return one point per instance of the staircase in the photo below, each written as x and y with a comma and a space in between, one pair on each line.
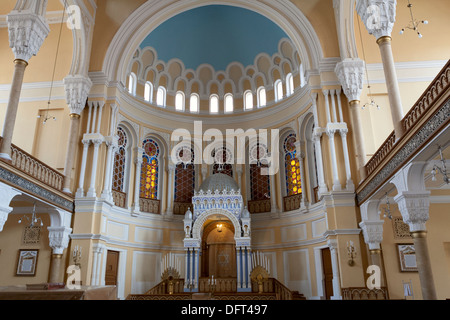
225, 289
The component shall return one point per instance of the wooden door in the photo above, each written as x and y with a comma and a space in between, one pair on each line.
327, 273
112, 266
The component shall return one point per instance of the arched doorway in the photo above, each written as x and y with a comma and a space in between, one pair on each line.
218, 250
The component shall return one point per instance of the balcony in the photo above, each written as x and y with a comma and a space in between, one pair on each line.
30, 175
429, 116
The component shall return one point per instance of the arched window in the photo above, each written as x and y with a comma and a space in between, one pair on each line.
292, 166
179, 101
221, 157
214, 104
148, 93
132, 82
150, 169
289, 84
259, 184
248, 100
302, 76
194, 103
120, 158
262, 98
161, 96
185, 177
278, 86
229, 103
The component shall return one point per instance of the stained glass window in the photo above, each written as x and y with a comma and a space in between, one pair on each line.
119, 161
150, 169
185, 178
292, 166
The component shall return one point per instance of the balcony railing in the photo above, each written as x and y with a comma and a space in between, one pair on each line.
427, 117
259, 206
149, 205
119, 198
292, 203
180, 208
365, 294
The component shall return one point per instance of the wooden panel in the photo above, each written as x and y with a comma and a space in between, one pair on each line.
112, 265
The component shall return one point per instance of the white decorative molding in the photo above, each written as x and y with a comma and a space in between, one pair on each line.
77, 90
378, 16
7, 193
59, 238
414, 208
27, 28
373, 233
350, 73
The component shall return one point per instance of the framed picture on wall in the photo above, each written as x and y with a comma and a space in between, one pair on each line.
27, 262
407, 256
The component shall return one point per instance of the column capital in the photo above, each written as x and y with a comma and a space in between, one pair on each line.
414, 208
77, 91
350, 73
58, 238
27, 29
378, 16
373, 233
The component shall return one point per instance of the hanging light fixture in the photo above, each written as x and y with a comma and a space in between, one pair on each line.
387, 210
413, 24
34, 220
372, 102
442, 170
47, 117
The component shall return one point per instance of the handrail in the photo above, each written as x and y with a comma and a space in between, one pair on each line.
26, 163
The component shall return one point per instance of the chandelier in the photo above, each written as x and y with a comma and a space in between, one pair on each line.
34, 220
442, 170
387, 210
413, 24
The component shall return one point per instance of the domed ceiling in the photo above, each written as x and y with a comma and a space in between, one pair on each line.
217, 35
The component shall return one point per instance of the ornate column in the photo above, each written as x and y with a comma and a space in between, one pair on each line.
111, 144
77, 90
7, 193
301, 159
170, 188
336, 183
379, 17
332, 244
97, 250
137, 181
318, 147
350, 73
414, 202
58, 241
348, 173
372, 227
92, 192
80, 191
27, 31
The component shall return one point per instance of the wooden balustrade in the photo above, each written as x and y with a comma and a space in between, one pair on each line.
292, 203
259, 206
149, 205
181, 207
225, 289
381, 154
365, 294
119, 198
36, 169
435, 90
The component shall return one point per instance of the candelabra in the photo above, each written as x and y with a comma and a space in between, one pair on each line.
442, 170
212, 284
76, 256
351, 253
413, 24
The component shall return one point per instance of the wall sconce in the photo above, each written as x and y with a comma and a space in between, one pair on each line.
219, 227
351, 253
76, 256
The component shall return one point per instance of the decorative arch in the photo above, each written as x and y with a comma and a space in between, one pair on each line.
197, 228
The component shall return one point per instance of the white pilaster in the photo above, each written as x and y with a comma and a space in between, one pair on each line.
332, 244
92, 192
